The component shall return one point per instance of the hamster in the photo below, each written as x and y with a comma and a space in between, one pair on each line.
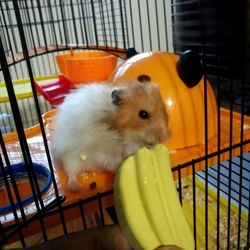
99, 125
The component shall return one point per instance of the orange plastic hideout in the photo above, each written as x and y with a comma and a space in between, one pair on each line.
87, 66
185, 105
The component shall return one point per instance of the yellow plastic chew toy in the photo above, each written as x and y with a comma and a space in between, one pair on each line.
147, 204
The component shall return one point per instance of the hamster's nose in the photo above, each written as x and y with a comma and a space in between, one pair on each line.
163, 134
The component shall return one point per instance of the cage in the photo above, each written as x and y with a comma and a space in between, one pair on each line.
212, 177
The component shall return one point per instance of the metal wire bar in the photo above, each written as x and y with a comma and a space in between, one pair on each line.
102, 19
94, 22
11, 94
29, 33
194, 206
248, 222
7, 33
2, 232
26, 119
122, 23
86, 39
65, 30
149, 27
99, 197
61, 29
43, 135
80, 23
25, 149
241, 153
83, 216
205, 136
157, 26
36, 22
131, 23
32, 117
179, 185
218, 212
140, 24
230, 165
114, 23
165, 21
5, 118
51, 17
15, 189
17, 119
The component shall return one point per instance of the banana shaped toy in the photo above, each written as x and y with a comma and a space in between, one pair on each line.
147, 204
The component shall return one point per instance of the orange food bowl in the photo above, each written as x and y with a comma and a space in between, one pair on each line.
185, 104
82, 67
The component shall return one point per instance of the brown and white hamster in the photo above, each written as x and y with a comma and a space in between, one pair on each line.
100, 125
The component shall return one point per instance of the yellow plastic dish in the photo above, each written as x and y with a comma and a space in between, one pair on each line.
147, 204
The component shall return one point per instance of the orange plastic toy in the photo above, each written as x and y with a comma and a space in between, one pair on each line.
82, 67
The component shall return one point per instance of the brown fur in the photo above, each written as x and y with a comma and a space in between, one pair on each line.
142, 96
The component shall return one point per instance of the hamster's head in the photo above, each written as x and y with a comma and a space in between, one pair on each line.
141, 113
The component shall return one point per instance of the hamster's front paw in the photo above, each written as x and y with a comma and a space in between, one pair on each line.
73, 185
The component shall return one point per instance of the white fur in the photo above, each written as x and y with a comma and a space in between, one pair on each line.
80, 129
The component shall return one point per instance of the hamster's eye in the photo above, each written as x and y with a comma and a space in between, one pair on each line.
144, 78
143, 114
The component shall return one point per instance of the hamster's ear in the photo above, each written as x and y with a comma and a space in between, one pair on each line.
117, 96
189, 68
